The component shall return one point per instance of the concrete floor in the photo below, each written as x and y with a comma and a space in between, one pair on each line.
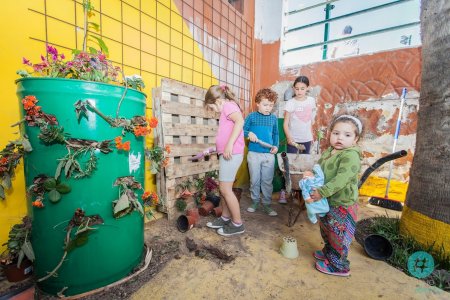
259, 271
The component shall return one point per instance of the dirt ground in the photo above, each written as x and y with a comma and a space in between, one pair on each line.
259, 271
250, 266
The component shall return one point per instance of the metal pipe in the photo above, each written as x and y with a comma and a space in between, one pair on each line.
346, 15
352, 37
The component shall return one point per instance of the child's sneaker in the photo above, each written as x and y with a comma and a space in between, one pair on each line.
252, 208
268, 210
231, 229
218, 223
282, 199
322, 266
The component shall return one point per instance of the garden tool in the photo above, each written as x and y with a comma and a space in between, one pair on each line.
385, 201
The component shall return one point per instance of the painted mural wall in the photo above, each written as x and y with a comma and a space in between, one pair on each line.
199, 42
369, 85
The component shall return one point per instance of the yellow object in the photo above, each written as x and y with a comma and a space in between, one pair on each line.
31, 24
376, 187
425, 230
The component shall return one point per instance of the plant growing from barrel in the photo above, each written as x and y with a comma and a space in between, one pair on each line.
82, 225
128, 200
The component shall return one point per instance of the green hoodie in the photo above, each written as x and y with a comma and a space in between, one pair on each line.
341, 171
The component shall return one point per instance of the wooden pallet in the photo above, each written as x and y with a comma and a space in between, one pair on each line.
188, 129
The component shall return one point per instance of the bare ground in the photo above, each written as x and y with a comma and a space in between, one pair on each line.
200, 264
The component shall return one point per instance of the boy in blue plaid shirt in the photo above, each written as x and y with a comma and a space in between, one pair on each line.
261, 128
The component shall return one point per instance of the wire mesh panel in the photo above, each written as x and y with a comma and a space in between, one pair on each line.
188, 129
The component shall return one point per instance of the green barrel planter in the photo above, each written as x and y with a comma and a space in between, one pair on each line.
115, 247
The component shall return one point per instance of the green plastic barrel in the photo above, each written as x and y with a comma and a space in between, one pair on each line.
115, 247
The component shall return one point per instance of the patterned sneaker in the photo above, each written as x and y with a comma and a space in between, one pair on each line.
218, 223
322, 266
282, 199
252, 208
268, 210
230, 229
318, 254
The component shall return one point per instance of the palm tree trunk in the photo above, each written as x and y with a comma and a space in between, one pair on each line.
426, 215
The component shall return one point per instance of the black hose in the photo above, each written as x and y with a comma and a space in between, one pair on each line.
287, 175
380, 162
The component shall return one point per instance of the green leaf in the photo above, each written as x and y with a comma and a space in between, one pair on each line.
50, 184
63, 188
6, 181
101, 44
2, 192
58, 169
54, 196
92, 50
26, 145
95, 26
28, 250
67, 168
20, 258
122, 204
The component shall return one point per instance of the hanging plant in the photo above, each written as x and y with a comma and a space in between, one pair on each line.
9, 159
83, 224
128, 201
43, 184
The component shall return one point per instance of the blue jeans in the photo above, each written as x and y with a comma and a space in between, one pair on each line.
292, 149
261, 167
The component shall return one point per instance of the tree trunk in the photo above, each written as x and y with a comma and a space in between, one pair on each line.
426, 214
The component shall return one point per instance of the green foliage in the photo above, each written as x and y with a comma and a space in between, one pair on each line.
405, 246
157, 157
181, 205
135, 82
128, 201
43, 184
10, 157
19, 245
52, 134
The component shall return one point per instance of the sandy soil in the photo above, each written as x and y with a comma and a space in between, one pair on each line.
250, 266
259, 271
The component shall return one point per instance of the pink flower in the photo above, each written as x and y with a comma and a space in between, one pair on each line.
26, 61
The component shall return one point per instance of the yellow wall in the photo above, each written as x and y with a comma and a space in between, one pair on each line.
146, 37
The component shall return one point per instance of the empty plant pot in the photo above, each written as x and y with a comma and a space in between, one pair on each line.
206, 208
193, 212
289, 247
217, 211
14, 274
184, 223
214, 199
378, 247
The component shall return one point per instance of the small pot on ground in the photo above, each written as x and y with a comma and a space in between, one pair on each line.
217, 211
16, 274
185, 223
214, 199
193, 212
206, 208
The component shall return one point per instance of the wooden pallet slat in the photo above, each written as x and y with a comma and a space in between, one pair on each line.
188, 128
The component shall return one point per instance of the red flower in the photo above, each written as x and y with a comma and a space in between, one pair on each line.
153, 122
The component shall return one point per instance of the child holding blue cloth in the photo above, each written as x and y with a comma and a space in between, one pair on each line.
311, 180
